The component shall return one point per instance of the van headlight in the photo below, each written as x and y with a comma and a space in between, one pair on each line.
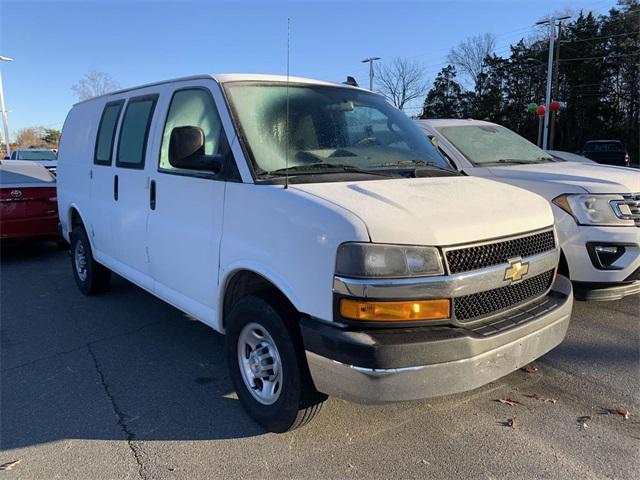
366, 260
590, 209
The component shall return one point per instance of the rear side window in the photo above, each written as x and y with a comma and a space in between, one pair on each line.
134, 131
107, 133
604, 147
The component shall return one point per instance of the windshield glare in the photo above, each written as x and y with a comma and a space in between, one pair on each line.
327, 125
36, 155
485, 144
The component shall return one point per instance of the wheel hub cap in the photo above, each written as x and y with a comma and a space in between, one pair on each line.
259, 362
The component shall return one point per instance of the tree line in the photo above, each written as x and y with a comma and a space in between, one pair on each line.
598, 78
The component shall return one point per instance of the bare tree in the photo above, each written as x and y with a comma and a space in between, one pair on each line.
30, 138
93, 84
401, 81
468, 57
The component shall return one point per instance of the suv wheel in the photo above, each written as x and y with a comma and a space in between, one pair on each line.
268, 367
91, 277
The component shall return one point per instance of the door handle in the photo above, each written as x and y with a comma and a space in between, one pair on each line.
115, 187
152, 195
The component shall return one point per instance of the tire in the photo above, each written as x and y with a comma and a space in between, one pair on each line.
295, 401
91, 277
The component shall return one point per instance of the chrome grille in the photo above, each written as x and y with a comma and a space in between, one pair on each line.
479, 304
465, 259
632, 202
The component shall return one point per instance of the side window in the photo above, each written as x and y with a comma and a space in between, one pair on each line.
193, 108
134, 131
107, 133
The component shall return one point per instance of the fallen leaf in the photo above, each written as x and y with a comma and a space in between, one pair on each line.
509, 401
10, 465
621, 411
582, 421
535, 396
531, 368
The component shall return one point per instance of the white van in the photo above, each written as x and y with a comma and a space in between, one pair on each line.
597, 207
320, 230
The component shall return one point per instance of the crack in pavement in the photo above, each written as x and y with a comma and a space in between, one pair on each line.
81, 347
136, 450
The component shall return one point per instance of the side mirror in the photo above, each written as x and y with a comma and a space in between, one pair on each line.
186, 150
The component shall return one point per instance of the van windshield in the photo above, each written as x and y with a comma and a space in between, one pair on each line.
328, 129
492, 144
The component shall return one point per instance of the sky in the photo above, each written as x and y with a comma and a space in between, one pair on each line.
54, 43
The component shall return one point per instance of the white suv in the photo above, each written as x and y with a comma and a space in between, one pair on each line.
320, 230
596, 207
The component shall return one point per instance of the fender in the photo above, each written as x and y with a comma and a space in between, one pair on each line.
227, 272
66, 223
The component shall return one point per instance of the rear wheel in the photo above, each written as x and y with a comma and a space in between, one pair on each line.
91, 277
268, 367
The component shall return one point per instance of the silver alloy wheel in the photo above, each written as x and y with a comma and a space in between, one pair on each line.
80, 261
259, 362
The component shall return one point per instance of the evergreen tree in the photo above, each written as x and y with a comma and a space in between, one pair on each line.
444, 99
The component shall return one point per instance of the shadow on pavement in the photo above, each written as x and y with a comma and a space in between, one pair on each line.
123, 365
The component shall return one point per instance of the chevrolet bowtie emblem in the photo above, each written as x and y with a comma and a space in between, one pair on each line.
516, 270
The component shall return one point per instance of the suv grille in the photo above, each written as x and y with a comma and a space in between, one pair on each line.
481, 256
633, 202
483, 303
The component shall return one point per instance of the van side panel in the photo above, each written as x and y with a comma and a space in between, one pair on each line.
75, 160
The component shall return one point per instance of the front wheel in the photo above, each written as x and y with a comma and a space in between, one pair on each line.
90, 276
267, 366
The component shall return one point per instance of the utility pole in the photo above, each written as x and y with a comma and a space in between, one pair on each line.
3, 110
556, 81
370, 60
552, 34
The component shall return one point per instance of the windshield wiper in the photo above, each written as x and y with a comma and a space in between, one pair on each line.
523, 162
310, 167
413, 163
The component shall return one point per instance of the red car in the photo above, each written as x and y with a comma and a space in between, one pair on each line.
28, 203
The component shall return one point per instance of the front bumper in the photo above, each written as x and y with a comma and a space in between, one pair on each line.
377, 366
591, 283
598, 292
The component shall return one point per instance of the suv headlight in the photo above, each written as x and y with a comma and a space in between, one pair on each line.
592, 209
366, 260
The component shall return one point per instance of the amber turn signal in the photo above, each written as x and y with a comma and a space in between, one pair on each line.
395, 311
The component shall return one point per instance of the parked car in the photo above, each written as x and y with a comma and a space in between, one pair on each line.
596, 207
568, 156
316, 227
607, 152
28, 203
45, 157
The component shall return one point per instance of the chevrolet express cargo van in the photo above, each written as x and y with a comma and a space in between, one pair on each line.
597, 207
320, 230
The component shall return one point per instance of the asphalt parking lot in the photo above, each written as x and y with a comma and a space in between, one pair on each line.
125, 386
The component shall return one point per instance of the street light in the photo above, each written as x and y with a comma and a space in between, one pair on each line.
3, 109
370, 60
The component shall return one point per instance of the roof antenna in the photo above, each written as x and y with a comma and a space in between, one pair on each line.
286, 124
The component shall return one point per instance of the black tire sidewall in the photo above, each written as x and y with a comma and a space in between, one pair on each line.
78, 235
279, 416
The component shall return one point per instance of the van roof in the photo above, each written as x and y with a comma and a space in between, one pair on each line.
226, 78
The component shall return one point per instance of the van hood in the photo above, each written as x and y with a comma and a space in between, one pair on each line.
436, 211
553, 179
